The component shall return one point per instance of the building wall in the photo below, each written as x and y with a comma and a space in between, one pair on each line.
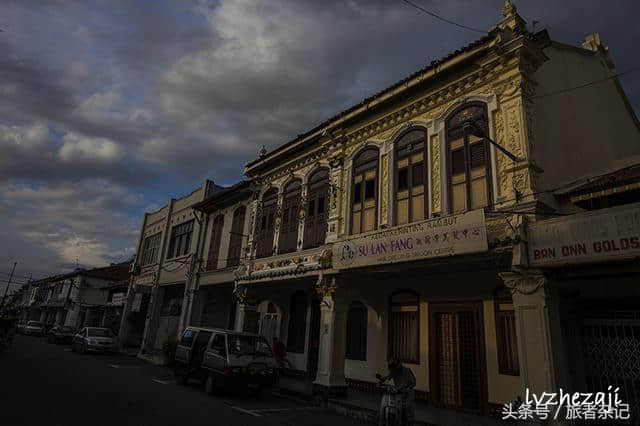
227, 212
591, 126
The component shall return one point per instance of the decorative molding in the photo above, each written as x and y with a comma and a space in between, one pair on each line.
325, 287
384, 188
436, 198
525, 283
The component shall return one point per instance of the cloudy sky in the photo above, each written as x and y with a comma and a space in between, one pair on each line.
109, 107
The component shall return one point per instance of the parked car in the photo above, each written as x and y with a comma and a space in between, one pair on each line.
33, 328
225, 359
60, 334
94, 339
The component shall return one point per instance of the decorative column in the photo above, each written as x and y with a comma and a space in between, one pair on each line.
333, 326
277, 221
335, 197
531, 299
240, 293
302, 212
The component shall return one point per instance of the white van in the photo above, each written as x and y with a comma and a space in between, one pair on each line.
225, 359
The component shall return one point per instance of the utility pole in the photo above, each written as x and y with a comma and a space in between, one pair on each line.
8, 283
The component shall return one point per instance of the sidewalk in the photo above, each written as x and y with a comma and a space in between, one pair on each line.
365, 405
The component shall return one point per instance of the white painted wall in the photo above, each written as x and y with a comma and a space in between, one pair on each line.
584, 131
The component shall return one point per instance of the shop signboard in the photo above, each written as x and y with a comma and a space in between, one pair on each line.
602, 235
447, 236
118, 299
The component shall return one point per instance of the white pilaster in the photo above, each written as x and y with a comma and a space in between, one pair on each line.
333, 326
533, 330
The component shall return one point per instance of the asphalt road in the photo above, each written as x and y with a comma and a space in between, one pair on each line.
46, 384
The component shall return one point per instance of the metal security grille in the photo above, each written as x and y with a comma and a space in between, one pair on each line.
448, 360
458, 359
611, 351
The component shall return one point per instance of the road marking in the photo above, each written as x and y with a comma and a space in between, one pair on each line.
242, 410
122, 366
275, 410
163, 382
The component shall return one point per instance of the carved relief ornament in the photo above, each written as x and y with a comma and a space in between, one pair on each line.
525, 283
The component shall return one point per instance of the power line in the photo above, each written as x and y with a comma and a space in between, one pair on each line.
448, 21
591, 83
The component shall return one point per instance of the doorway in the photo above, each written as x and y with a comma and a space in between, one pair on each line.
314, 339
457, 363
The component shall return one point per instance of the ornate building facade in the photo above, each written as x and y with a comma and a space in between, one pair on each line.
399, 227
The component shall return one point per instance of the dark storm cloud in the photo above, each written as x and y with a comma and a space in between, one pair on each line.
134, 101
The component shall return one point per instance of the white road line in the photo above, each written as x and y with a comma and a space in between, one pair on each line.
123, 366
163, 382
274, 410
242, 410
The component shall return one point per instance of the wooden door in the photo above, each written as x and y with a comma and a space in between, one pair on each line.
457, 367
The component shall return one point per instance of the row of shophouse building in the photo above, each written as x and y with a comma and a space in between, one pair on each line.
478, 219
82, 298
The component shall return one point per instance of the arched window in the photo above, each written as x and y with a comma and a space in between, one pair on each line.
288, 241
235, 239
411, 177
468, 159
214, 245
403, 326
364, 204
297, 323
266, 224
315, 227
356, 348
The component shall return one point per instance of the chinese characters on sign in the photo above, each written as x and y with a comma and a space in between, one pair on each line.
569, 406
447, 236
588, 237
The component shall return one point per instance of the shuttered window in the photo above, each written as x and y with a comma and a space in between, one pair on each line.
404, 327
315, 227
364, 203
150, 248
236, 237
266, 224
214, 244
180, 242
410, 190
288, 240
468, 167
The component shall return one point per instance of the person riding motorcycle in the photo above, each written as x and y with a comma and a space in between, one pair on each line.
405, 382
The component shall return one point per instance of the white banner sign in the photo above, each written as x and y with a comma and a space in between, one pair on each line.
447, 236
601, 235
118, 299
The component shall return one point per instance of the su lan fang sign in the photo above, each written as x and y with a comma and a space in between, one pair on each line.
446, 236
602, 235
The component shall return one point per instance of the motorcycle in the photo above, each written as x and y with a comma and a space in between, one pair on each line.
393, 405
